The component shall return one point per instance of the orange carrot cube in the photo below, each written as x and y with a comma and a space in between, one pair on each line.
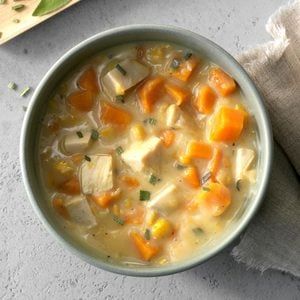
221, 82
205, 100
177, 93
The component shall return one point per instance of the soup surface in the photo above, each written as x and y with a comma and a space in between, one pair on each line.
147, 153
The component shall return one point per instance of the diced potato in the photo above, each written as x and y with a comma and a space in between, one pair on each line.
175, 117
80, 211
161, 228
165, 200
143, 155
244, 158
72, 143
96, 176
177, 93
118, 82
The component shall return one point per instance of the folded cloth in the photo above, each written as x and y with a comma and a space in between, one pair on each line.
273, 238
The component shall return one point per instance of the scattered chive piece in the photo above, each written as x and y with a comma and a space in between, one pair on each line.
79, 134
197, 231
94, 135
25, 91
12, 86
206, 189
175, 63
119, 150
121, 70
120, 98
187, 55
238, 185
205, 178
179, 166
18, 7
118, 220
144, 195
153, 179
151, 121
147, 234
16, 20
87, 158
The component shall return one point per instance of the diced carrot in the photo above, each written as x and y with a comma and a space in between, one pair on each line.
215, 163
58, 205
186, 69
70, 187
114, 115
150, 92
179, 94
89, 81
199, 150
215, 198
81, 100
191, 177
228, 125
168, 137
144, 247
205, 100
130, 181
221, 82
106, 198
135, 215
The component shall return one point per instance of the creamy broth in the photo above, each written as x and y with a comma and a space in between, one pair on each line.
147, 152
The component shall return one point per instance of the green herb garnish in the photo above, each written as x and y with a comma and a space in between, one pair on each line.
147, 234
175, 63
118, 220
121, 70
18, 7
120, 98
119, 150
153, 179
205, 178
47, 6
187, 55
79, 134
87, 158
197, 231
12, 86
238, 184
144, 195
206, 189
150, 121
25, 91
94, 135
16, 20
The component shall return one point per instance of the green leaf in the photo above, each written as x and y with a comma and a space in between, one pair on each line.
48, 6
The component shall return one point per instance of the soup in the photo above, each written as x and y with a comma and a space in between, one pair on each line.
147, 153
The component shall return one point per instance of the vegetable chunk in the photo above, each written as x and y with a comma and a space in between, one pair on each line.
191, 177
177, 93
244, 158
186, 69
82, 100
205, 100
89, 81
221, 82
96, 175
107, 198
161, 228
114, 115
199, 150
75, 143
228, 125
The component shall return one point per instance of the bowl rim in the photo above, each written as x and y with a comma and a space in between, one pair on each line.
170, 268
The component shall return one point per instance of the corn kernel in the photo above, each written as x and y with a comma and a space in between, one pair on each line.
108, 132
63, 167
138, 132
184, 159
163, 261
127, 203
161, 228
151, 217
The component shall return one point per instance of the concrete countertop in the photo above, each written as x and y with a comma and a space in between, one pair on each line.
33, 265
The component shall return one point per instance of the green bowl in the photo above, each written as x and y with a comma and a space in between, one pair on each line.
114, 37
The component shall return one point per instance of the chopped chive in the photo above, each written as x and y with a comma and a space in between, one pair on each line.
147, 234
87, 158
16, 20
12, 86
18, 7
94, 135
121, 70
120, 98
197, 231
187, 55
119, 150
205, 178
118, 220
79, 134
179, 166
150, 121
238, 185
144, 195
153, 179
175, 63
25, 91
206, 189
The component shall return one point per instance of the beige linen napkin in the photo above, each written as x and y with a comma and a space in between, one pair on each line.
273, 238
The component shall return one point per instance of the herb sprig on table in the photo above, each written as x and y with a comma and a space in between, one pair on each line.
48, 6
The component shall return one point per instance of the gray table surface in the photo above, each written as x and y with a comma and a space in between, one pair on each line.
32, 264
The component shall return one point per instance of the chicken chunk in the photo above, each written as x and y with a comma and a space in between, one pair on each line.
244, 158
96, 176
166, 200
80, 211
124, 76
143, 155
175, 117
74, 143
